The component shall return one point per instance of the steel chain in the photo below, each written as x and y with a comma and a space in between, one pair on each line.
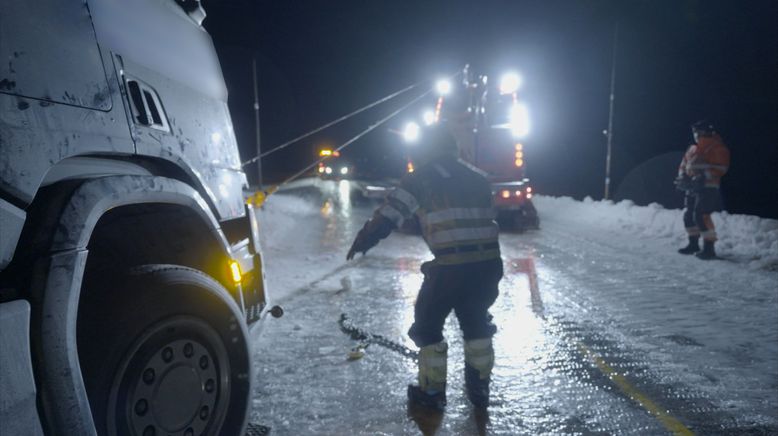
367, 338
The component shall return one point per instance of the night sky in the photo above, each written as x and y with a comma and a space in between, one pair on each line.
677, 61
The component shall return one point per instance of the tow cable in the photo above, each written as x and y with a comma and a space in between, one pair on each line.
366, 339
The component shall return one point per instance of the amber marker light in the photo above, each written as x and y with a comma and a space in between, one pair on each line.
505, 194
235, 270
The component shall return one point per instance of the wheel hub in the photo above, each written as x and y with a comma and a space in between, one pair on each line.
172, 384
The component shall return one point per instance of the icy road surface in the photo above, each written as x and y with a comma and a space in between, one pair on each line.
619, 334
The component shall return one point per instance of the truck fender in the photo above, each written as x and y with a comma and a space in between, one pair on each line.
56, 287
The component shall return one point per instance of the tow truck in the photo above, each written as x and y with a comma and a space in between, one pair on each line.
489, 122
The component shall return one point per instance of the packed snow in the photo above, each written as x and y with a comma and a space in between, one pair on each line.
699, 337
742, 238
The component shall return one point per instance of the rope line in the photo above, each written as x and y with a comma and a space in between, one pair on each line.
357, 137
331, 123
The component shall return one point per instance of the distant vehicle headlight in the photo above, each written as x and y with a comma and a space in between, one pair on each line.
328, 170
344, 170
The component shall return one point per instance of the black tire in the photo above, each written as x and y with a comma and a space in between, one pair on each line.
164, 351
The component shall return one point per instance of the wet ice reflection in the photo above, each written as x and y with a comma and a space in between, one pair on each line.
344, 198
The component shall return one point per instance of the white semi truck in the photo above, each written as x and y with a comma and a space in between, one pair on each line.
130, 264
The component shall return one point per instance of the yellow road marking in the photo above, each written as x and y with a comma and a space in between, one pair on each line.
672, 424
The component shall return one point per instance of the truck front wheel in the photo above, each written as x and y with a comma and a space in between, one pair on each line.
164, 351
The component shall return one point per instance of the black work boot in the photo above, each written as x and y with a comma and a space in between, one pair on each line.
693, 247
477, 388
418, 397
707, 252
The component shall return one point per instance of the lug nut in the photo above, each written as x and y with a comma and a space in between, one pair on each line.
167, 354
204, 362
141, 407
188, 350
148, 376
204, 413
149, 431
210, 385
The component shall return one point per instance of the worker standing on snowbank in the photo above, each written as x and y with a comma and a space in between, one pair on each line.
453, 202
699, 175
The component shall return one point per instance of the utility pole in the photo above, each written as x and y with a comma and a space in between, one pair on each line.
256, 122
610, 114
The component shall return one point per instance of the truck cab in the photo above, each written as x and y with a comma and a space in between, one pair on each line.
130, 258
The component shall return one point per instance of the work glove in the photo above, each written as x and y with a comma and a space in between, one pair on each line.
360, 244
683, 183
373, 231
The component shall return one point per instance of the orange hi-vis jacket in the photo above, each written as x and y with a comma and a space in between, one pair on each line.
708, 157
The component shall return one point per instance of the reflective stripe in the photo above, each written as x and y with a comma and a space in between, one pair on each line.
707, 166
459, 214
392, 214
478, 344
478, 362
405, 198
709, 235
463, 234
434, 362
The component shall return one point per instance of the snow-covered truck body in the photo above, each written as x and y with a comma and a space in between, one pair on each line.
130, 264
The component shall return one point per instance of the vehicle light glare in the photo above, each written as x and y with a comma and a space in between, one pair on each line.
328, 170
428, 117
510, 83
518, 193
518, 120
505, 194
321, 169
519, 162
411, 132
443, 87
529, 195
235, 270
410, 167
344, 170
325, 152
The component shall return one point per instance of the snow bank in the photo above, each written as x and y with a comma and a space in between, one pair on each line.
742, 238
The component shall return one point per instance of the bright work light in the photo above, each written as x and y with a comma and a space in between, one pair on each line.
510, 83
443, 86
518, 120
428, 117
411, 132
